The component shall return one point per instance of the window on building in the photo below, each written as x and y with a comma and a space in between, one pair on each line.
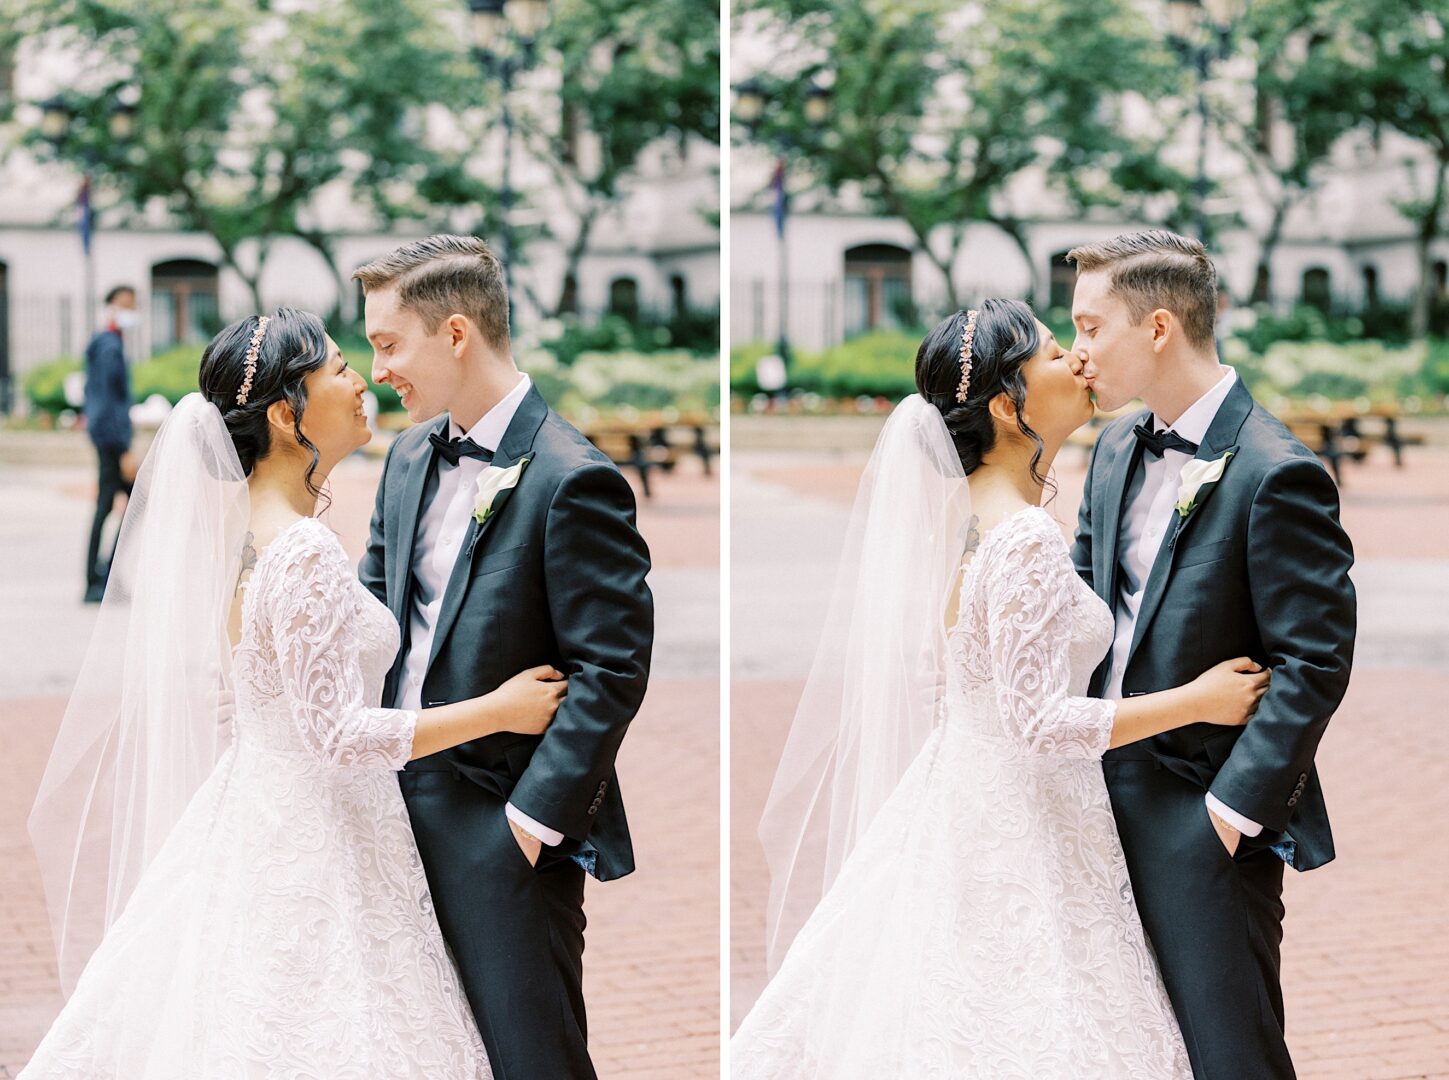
1371, 286
624, 298
679, 294
1441, 277
1062, 282
568, 301
183, 302
7, 391
1317, 289
877, 288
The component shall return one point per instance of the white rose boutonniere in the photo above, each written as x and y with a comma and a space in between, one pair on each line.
491, 481
1194, 475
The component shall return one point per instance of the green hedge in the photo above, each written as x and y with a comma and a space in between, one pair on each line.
597, 380
882, 364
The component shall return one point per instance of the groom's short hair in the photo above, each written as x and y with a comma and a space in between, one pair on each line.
443, 276
1158, 269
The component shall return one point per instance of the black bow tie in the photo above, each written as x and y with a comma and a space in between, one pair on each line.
1154, 442
450, 450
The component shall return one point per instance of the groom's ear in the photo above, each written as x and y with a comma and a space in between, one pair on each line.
460, 332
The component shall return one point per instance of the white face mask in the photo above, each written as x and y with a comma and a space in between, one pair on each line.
127, 319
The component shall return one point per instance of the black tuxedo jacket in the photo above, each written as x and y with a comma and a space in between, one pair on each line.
1259, 568
556, 575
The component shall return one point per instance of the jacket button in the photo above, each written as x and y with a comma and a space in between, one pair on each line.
593, 810
1293, 801
1303, 778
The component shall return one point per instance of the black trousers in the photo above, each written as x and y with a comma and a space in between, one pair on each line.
1215, 921
516, 931
111, 485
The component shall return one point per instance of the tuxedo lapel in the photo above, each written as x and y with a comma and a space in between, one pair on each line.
1221, 438
415, 484
516, 444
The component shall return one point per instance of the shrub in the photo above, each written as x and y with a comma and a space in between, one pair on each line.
45, 385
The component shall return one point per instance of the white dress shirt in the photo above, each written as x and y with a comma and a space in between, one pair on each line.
1145, 521
444, 524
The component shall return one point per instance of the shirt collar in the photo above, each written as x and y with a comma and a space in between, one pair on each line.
1193, 424
488, 431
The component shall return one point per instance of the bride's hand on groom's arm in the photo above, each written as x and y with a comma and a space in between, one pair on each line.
525, 703
1229, 692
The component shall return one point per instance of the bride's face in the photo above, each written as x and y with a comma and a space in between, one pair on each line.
1058, 399
333, 420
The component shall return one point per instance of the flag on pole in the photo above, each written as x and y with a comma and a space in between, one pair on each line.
83, 221
782, 201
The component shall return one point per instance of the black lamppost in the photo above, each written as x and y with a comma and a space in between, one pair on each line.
1201, 31
749, 110
504, 33
57, 115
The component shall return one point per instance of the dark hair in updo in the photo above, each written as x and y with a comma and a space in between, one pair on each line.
294, 346
1006, 338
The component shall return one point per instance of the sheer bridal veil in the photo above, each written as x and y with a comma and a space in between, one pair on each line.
140, 733
872, 696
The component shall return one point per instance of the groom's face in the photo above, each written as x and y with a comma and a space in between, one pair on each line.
1118, 356
419, 365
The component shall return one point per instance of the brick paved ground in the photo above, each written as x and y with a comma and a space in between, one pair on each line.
1366, 956
652, 959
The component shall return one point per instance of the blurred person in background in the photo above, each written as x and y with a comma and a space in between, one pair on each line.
108, 421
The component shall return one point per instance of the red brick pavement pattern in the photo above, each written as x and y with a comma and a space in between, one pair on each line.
1366, 951
652, 954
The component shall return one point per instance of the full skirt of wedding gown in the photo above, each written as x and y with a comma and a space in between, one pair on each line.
984, 925
285, 929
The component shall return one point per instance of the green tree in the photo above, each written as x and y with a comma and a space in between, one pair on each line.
938, 109
245, 113
630, 75
1388, 62
1285, 122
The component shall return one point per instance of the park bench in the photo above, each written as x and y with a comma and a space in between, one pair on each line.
1341, 430
652, 441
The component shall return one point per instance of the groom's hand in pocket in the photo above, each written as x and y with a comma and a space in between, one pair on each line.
531, 846
1226, 833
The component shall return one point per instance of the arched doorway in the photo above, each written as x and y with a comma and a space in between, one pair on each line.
183, 302
624, 298
1062, 282
877, 288
1317, 289
1370, 286
7, 387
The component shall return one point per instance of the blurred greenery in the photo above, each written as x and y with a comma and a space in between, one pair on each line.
881, 364
601, 381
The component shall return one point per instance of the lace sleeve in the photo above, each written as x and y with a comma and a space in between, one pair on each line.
308, 602
1029, 598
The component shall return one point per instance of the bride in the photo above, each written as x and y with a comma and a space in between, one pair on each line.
948, 896
249, 894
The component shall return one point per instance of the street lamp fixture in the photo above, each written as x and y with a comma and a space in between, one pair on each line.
817, 105
122, 122
749, 102
1201, 32
55, 115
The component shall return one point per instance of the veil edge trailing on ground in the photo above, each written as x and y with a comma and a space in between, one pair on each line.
873, 692
140, 732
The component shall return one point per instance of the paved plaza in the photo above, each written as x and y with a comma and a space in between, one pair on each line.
651, 968
1366, 956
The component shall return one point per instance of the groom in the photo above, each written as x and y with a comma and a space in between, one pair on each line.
1212, 533
502, 539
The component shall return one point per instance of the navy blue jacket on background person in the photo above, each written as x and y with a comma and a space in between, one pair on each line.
108, 392
108, 422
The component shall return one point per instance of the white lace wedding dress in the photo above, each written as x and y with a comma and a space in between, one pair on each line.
285, 928
984, 927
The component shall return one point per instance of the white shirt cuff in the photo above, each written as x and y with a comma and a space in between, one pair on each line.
550, 837
1244, 825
